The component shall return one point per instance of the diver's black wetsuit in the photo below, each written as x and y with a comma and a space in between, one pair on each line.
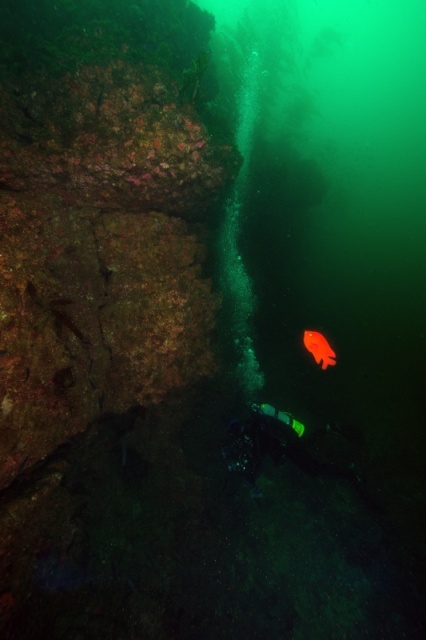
263, 435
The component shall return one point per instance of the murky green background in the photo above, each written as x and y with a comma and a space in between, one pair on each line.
353, 266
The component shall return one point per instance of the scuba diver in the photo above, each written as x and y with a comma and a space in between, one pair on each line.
274, 433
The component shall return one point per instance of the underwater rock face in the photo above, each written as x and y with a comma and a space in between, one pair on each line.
48, 330
115, 137
96, 314
102, 301
159, 316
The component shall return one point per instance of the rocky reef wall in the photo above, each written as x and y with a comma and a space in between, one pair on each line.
103, 304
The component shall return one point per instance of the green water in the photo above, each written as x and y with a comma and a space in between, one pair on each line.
354, 265
368, 259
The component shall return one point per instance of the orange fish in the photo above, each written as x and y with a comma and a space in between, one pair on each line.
320, 349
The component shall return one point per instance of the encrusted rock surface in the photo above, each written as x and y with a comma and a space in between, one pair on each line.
114, 137
103, 305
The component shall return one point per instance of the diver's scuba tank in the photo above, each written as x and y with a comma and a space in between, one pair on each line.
282, 416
